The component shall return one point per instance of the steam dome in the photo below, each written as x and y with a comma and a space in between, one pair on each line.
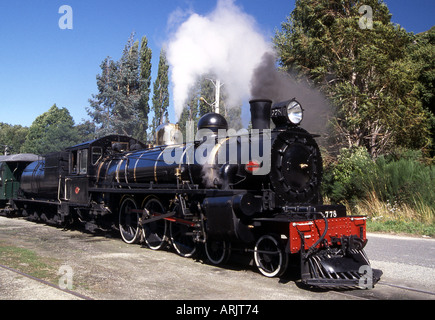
212, 121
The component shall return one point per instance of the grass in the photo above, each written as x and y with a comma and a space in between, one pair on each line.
28, 262
400, 227
418, 219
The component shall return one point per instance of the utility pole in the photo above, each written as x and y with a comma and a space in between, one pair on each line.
217, 84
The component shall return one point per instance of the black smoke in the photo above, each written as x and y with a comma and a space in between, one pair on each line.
268, 82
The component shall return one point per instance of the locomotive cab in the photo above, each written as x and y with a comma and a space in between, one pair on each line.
85, 160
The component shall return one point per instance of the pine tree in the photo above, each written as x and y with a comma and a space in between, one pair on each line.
121, 106
161, 93
190, 111
102, 104
362, 71
128, 92
145, 84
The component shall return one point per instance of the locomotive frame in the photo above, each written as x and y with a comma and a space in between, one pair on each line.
117, 182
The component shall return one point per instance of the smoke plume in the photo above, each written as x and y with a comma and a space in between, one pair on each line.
225, 42
268, 82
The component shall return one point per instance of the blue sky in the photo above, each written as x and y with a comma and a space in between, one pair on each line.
42, 64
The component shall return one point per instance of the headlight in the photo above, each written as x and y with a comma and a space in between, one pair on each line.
288, 112
295, 113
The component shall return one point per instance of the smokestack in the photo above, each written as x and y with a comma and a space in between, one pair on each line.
260, 113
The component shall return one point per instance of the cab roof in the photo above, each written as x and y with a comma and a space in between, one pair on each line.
106, 141
21, 157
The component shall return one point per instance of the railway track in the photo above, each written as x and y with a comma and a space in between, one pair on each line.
97, 259
389, 291
351, 294
46, 283
429, 293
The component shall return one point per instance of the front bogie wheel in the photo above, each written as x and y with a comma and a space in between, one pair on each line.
217, 251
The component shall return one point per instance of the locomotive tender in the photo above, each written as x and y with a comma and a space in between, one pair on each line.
257, 192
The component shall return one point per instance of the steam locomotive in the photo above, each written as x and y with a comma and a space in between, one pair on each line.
255, 192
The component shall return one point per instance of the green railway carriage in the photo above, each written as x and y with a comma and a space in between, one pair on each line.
11, 168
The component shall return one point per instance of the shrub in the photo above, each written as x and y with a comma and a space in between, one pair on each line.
404, 181
398, 187
343, 179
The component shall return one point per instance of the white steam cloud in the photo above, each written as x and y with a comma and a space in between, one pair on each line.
225, 42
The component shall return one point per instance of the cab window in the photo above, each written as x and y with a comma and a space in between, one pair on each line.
79, 162
97, 154
73, 165
83, 161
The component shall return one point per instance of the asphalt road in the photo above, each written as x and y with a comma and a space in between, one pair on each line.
106, 268
405, 261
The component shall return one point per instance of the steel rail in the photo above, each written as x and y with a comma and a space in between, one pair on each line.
405, 288
81, 296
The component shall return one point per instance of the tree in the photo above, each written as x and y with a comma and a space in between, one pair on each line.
52, 131
102, 105
208, 94
144, 86
121, 105
201, 101
86, 130
12, 137
364, 72
422, 56
190, 111
161, 93
128, 90
422, 51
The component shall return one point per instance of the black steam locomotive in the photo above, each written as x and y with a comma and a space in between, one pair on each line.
256, 192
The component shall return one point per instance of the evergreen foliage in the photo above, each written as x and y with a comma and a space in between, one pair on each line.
121, 105
161, 93
52, 131
366, 73
422, 57
145, 85
201, 101
190, 111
